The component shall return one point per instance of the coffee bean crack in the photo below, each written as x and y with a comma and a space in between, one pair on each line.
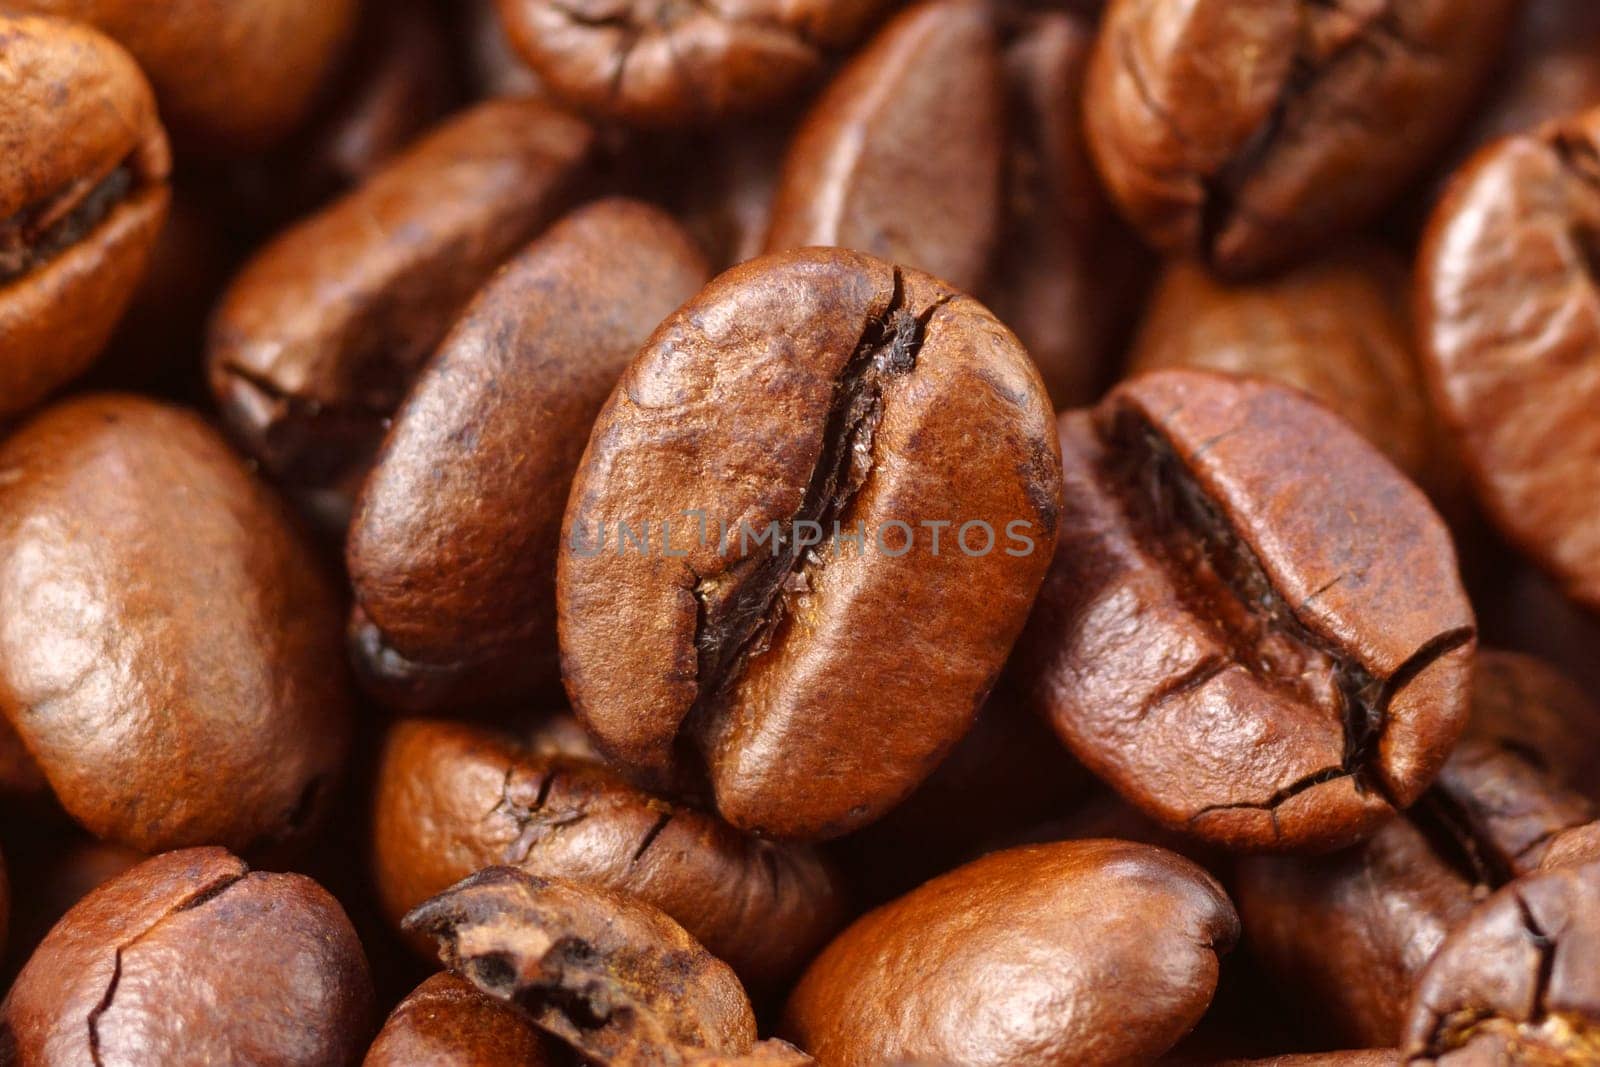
38, 234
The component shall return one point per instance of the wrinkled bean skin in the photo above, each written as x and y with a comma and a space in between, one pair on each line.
1336, 328
900, 157
231, 78
653, 64
604, 972
83, 196
1067, 274
1241, 133
452, 799
168, 643
1206, 639
1508, 325
316, 342
1516, 983
1083, 952
820, 385
1351, 933
446, 1021
147, 969
452, 552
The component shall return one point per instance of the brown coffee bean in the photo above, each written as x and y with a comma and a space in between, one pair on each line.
231, 77
446, 1020
1517, 982
1243, 133
1505, 316
1067, 276
900, 157
1336, 327
1350, 933
452, 552
317, 341
612, 977
665, 65
169, 647
1083, 953
804, 398
1259, 658
191, 957
83, 195
452, 799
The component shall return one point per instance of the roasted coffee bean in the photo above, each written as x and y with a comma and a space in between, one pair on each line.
317, 341
1336, 328
169, 649
1243, 133
1352, 932
806, 398
452, 799
669, 65
1508, 326
446, 1020
612, 977
901, 156
1261, 659
1068, 275
83, 194
231, 77
191, 957
452, 552
1083, 953
1517, 982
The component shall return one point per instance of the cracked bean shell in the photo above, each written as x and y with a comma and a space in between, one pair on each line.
1256, 657
452, 799
1242, 132
1077, 953
452, 552
900, 156
1509, 329
191, 957
820, 386
169, 647
83, 196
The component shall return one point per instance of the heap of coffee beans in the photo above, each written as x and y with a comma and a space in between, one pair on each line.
857, 533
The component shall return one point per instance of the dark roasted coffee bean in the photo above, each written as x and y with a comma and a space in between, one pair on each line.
1241, 133
1259, 658
1506, 316
83, 194
452, 552
901, 156
1337, 328
447, 1021
805, 399
317, 341
191, 957
231, 77
452, 799
1517, 982
660, 64
612, 977
1067, 274
1082, 953
169, 648
1350, 933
